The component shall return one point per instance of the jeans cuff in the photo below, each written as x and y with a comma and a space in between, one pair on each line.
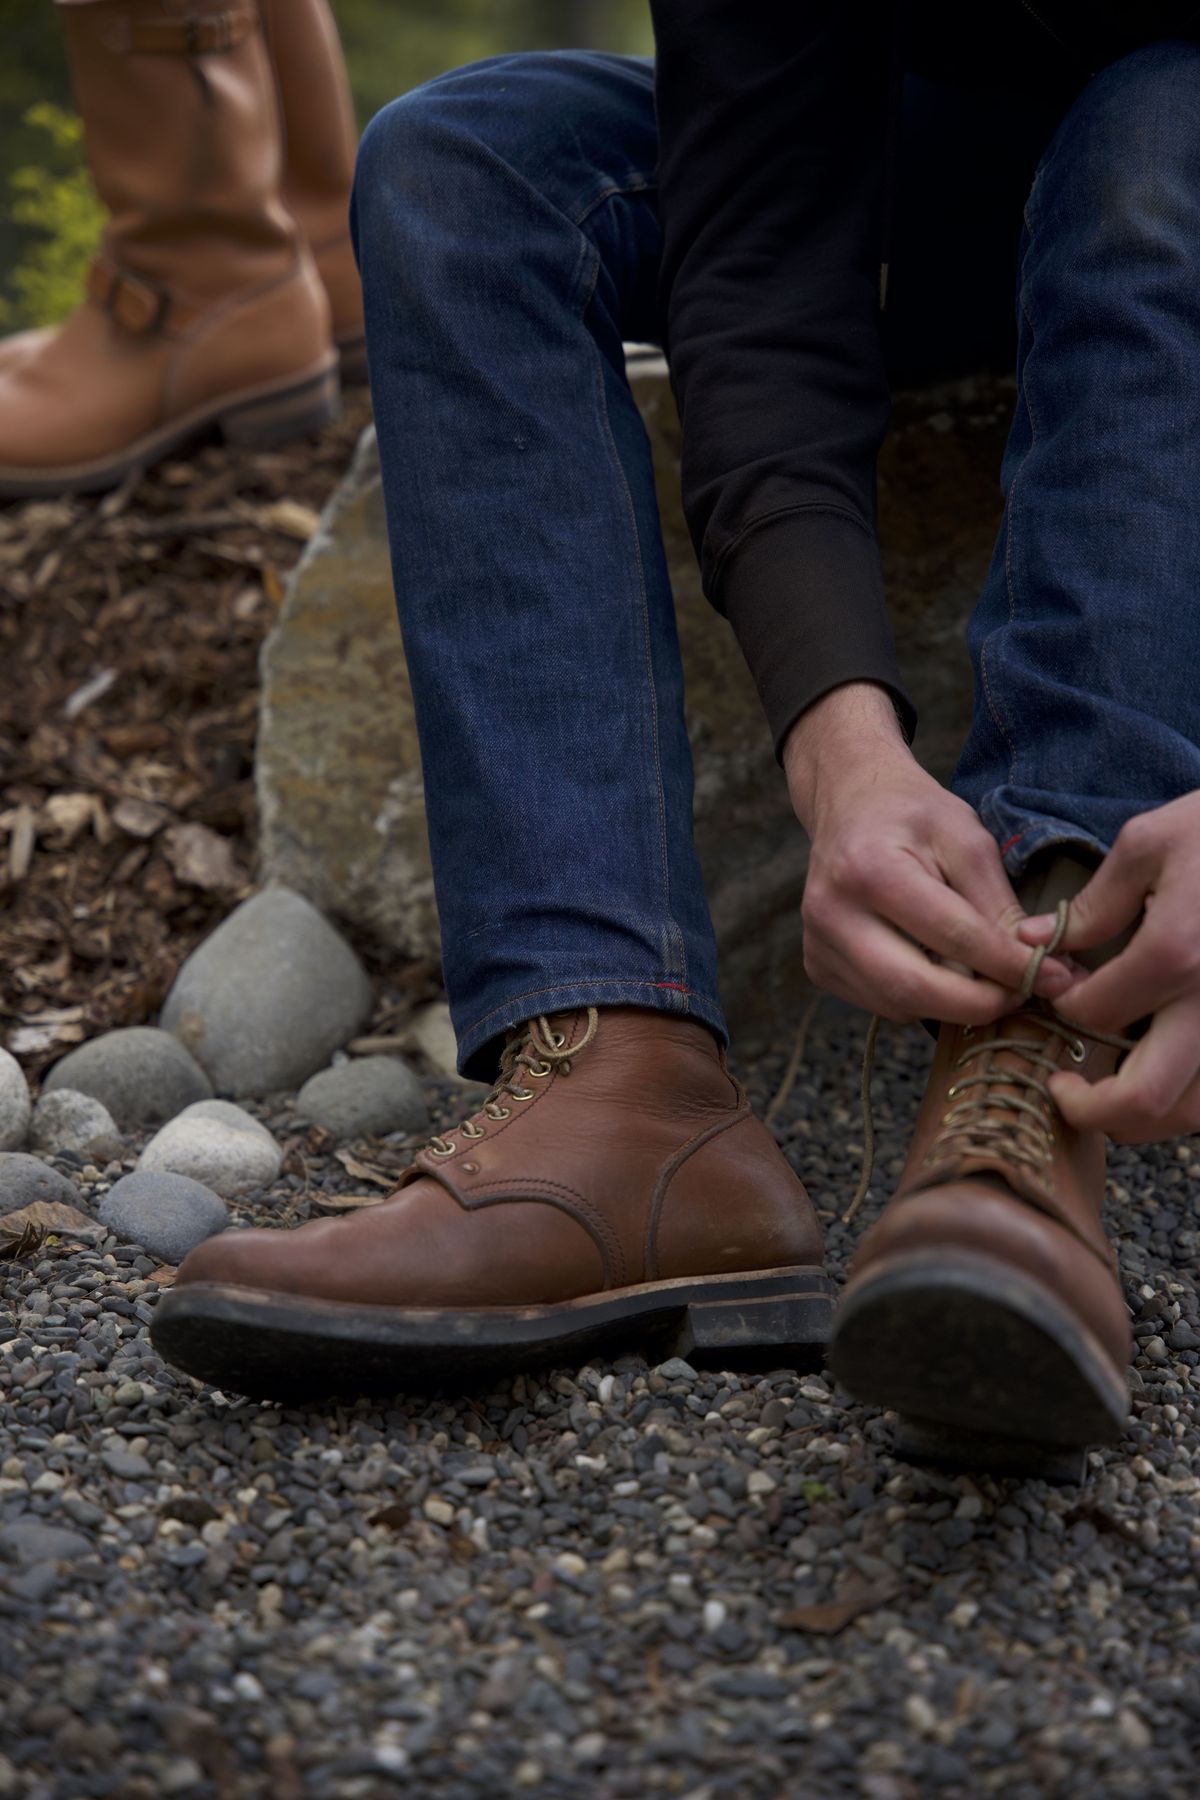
480, 1040
1018, 852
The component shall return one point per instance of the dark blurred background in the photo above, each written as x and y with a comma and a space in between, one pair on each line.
48, 216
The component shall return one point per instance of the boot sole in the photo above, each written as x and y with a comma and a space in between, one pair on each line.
986, 1366
255, 417
288, 1347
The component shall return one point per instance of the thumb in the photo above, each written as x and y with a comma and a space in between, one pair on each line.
1111, 900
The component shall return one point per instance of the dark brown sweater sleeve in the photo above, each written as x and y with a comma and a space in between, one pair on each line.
772, 121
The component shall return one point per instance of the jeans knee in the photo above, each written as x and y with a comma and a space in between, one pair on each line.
433, 146
1126, 159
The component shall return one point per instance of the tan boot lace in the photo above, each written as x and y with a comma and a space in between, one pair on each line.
536, 1052
1026, 1133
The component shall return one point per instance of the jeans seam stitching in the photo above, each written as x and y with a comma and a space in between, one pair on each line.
676, 961
1013, 509
639, 185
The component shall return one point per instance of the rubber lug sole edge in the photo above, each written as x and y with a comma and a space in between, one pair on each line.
284, 1346
253, 418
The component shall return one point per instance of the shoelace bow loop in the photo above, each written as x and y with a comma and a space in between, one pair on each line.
540, 1052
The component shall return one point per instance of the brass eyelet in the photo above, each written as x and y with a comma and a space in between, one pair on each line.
494, 1111
558, 1039
953, 1091
521, 1093
472, 1131
448, 1150
539, 1073
1077, 1050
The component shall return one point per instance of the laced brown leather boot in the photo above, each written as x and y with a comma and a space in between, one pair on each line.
984, 1306
204, 309
614, 1191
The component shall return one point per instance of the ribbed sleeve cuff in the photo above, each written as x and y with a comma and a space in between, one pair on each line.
804, 595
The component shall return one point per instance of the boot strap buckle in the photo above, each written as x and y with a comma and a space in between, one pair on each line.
135, 304
204, 34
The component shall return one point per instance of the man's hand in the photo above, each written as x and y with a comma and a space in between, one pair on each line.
897, 858
1153, 866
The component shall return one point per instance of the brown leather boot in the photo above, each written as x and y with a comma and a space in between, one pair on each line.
984, 1306
614, 1191
204, 309
320, 141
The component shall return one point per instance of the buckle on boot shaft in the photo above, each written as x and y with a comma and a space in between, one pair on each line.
202, 34
135, 304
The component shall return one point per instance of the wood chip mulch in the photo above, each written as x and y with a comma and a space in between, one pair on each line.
130, 628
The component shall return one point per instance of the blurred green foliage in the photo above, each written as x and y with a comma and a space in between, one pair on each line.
49, 217
55, 199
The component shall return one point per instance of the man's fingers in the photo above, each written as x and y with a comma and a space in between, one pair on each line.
972, 866
1114, 896
1154, 1095
1160, 962
870, 963
950, 926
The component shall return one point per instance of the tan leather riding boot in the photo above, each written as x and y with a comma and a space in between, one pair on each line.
320, 143
984, 1306
204, 308
19, 344
320, 139
615, 1191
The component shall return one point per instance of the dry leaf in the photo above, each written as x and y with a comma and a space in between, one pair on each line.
52, 1216
47, 1030
272, 586
32, 1040
292, 519
20, 843
853, 1598
363, 1171
20, 1242
200, 858
393, 1514
139, 818
89, 693
68, 815
346, 1202
247, 604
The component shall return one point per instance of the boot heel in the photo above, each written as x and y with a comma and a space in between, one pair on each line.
951, 1446
287, 413
778, 1331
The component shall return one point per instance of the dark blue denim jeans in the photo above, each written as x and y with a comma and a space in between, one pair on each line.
506, 228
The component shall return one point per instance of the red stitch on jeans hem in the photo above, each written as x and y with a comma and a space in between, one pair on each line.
1012, 840
676, 987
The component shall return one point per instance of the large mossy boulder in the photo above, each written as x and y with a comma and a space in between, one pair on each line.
339, 772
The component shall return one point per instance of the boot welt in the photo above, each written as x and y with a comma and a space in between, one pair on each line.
289, 1346
263, 415
985, 1365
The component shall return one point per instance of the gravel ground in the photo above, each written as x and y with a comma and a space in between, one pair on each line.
609, 1581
